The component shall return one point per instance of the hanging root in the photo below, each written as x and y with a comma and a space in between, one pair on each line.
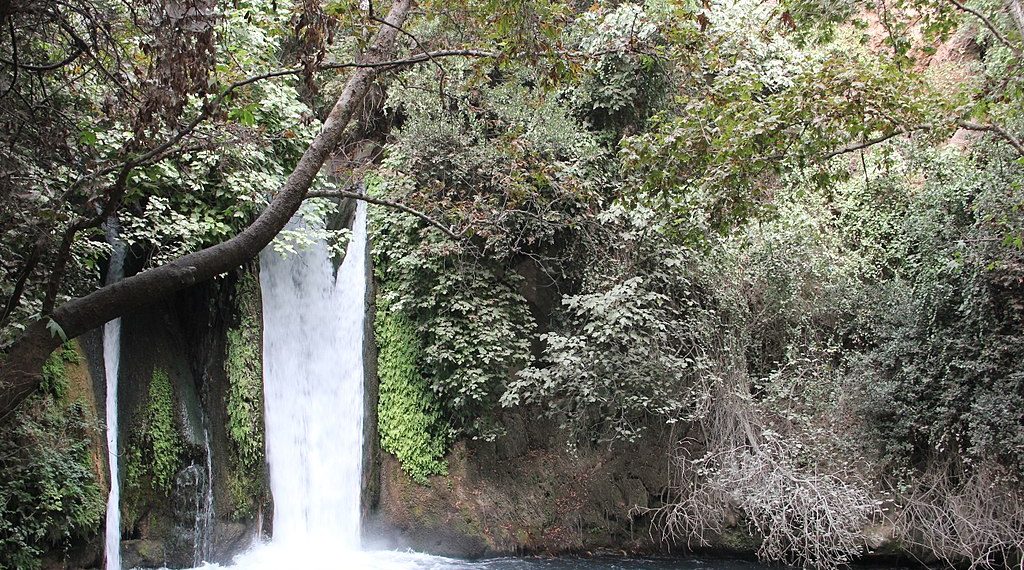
803, 518
965, 515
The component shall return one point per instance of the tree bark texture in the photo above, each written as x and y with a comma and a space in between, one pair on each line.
20, 371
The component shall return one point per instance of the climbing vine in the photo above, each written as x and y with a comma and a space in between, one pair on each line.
157, 451
160, 434
409, 419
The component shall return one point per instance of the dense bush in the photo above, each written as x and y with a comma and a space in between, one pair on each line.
49, 493
473, 327
943, 376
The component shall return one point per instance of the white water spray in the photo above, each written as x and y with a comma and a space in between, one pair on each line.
111, 365
313, 386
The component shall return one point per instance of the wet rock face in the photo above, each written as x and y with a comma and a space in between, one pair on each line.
192, 516
524, 493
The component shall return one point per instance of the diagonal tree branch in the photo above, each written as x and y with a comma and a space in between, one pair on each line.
996, 130
20, 371
991, 27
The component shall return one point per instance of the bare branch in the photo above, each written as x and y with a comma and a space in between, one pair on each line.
997, 130
41, 68
871, 142
14, 55
991, 27
389, 204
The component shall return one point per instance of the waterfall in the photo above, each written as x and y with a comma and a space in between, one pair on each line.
313, 386
111, 365
203, 484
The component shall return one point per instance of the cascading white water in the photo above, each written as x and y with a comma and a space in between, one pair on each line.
313, 385
111, 365
205, 513
313, 389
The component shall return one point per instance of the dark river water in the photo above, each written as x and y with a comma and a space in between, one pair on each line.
278, 557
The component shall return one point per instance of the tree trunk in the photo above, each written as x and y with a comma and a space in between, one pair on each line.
20, 372
1017, 11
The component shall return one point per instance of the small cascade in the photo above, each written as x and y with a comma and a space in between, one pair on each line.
111, 364
204, 506
313, 385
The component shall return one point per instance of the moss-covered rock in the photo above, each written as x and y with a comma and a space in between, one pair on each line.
51, 501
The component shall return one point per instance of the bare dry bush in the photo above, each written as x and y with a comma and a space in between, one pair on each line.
962, 514
804, 518
693, 509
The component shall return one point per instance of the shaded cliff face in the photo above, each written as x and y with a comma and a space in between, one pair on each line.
180, 460
526, 493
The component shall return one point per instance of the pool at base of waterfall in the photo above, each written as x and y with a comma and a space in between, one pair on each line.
276, 556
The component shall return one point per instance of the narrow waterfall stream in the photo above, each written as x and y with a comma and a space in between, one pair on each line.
111, 365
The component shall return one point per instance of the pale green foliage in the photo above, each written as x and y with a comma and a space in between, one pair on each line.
473, 327
408, 415
632, 349
715, 155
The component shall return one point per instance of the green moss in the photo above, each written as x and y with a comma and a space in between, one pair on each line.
55, 374
243, 366
153, 454
410, 422
166, 447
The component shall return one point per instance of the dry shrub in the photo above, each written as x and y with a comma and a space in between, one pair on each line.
964, 514
804, 518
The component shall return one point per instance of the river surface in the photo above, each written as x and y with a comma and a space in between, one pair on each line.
274, 557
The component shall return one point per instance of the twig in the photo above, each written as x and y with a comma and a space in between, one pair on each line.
14, 56
991, 27
388, 203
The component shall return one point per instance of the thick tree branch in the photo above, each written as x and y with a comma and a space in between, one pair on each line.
210, 107
380, 202
991, 27
996, 130
20, 372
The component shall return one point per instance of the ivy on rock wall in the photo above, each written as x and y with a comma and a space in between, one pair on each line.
156, 452
244, 369
50, 495
472, 325
409, 419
